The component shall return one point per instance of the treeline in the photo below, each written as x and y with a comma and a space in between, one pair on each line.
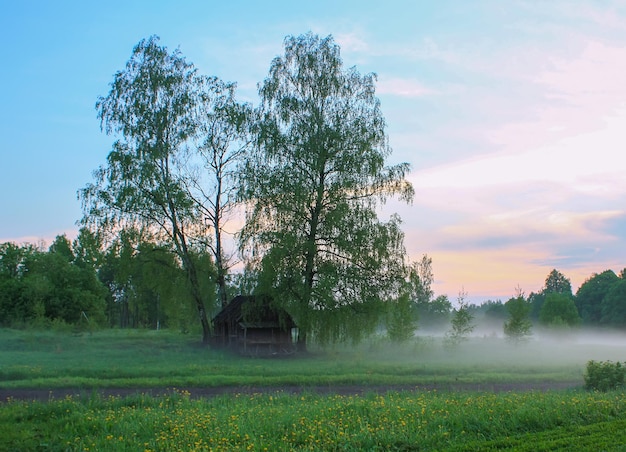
131, 283
135, 283
600, 301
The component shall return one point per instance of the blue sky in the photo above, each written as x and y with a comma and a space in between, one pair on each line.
512, 115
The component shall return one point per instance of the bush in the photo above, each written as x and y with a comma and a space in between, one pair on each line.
604, 375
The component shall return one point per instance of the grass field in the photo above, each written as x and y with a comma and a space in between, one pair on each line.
397, 420
570, 420
114, 358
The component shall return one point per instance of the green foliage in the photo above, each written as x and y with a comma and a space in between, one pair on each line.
461, 323
536, 300
494, 310
88, 249
147, 286
614, 305
604, 375
557, 282
149, 105
311, 187
40, 287
420, 280
401, 321
431, 313
435, 313
518, 326
149, 183
591, 294
559, 310
134, 283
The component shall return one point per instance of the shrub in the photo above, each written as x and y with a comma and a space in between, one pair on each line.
604, 375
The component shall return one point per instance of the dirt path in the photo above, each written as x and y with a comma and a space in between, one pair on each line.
207, 392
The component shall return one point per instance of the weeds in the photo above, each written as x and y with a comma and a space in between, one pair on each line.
398, 420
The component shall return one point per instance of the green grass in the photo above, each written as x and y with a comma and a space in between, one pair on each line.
114, 358
408, 420
569, 420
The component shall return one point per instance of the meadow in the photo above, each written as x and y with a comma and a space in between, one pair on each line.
434, 415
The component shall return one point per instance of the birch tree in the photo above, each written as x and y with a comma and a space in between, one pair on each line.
150, 107
312, 186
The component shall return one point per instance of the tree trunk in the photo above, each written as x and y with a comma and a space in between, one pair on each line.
195, 289
192, 276
310, 255
219, 263
217, 226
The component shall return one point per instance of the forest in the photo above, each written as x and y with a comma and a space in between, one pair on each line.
203, 197
81, 285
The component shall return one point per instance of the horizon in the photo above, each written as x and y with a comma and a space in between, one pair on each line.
513, 118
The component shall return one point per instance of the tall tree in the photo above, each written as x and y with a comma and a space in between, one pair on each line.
591, 294
421, 278
430, 312
15, 308
87, 249
557, 282
312, 185
224, 134
614, 303
437, 312
151, 104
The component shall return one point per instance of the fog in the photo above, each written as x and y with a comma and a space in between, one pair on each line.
545, 352
549, 348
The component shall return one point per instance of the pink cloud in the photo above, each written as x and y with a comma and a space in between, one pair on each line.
43, 241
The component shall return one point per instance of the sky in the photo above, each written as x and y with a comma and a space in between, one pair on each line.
512, 116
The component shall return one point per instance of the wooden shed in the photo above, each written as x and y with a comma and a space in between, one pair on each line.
251, 326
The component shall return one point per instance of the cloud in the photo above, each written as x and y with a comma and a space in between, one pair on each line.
586, 163
489, 259
352, 42
533, 226
488, 273
403, 87
521, 170
43, 241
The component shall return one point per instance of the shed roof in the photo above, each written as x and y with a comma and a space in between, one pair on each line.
233, 312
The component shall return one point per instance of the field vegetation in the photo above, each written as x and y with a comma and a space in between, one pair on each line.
434, 420
433, 402
145, 359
